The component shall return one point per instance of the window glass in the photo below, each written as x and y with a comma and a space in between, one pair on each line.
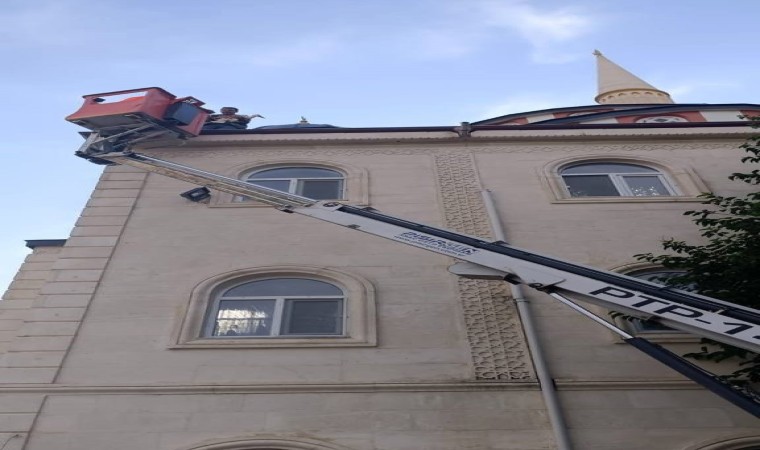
283, 287
296, 172
606, 168
244, 318
642, 186
277, 307
590, 185
614, 180
320, 189
312, 182
280, 185
313, 316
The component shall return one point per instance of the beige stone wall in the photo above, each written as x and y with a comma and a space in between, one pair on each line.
359, 420
18, 307
129, 326
382, 420
23, 291
449, 368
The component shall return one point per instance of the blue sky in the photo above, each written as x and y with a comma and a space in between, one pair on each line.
344, 62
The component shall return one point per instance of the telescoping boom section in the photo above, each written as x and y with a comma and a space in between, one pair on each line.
703, 316
565, 281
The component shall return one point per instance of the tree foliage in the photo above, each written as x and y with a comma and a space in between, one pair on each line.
727, 266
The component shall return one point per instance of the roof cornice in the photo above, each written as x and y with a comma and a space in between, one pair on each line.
688, 130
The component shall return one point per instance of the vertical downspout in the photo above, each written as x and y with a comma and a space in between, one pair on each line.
548, 391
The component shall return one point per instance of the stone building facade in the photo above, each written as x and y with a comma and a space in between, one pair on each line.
153, 327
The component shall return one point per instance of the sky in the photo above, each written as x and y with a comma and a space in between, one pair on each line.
350, 63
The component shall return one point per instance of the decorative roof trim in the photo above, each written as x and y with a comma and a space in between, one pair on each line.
304, 130
618, 109
702, 130
505, 132
551, 110
653, 110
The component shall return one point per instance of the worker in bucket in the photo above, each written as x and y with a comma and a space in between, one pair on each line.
229, 119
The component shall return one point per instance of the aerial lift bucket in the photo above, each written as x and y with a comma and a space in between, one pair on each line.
120, 119
111, 113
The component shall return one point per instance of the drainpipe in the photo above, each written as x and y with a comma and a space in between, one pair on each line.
548, 389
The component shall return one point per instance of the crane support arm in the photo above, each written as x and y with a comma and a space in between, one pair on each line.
693, 313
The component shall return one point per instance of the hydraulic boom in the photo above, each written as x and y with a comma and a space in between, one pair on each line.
703, 316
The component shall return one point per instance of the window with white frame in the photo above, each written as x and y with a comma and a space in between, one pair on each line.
312, 182
277, 307
610, 179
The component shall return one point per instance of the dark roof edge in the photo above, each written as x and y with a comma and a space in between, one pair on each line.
625, 107
34, 243
306, 130
664, 109
609, 126
474, 127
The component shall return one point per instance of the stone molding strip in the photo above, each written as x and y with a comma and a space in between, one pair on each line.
477, 135
470, 386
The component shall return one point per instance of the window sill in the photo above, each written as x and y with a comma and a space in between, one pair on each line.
337, 341
665, 337
663, 199
670, 336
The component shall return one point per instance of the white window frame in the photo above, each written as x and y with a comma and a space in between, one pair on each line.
294, 182
277, 318
618, 180
355, 189
359, 310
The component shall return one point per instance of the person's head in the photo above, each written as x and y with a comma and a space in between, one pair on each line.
229, 110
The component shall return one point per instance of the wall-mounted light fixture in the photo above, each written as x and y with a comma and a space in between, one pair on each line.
197, 194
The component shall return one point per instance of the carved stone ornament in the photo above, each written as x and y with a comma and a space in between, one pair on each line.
493, 327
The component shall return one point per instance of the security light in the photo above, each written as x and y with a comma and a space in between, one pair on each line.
197, 194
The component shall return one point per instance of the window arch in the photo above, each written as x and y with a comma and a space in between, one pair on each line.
615, 179
278, 306
268, 443
352, 181
748, 442
318, 183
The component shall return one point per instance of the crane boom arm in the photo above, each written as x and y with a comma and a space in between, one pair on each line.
693, 313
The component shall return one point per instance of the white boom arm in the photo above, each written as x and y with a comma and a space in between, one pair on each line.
696, 314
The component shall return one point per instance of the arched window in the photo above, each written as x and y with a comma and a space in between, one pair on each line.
289, 306
277, 307
312, 182
610, 179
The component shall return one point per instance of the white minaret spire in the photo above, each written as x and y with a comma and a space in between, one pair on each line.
618, 86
